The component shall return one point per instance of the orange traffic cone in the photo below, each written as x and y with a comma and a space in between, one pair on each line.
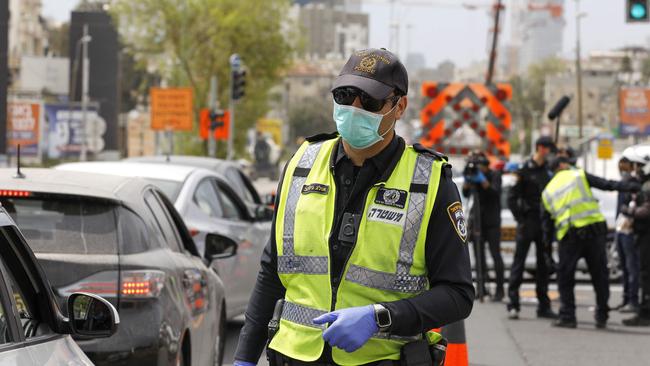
456, 344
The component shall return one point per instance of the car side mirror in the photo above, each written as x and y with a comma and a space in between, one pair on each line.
91, 316
263, 213
269, 200
219, 247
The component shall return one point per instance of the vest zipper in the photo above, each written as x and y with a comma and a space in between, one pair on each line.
345, 264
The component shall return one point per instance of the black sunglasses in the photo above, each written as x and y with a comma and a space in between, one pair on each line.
346, 96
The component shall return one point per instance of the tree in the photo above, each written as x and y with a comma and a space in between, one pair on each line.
188, 41
311, 116
528, 94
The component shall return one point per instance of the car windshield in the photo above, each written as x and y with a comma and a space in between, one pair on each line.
65, 225
169, 187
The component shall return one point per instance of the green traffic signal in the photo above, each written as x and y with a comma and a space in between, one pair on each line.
637, 11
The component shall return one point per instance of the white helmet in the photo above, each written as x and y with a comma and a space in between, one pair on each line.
639, 154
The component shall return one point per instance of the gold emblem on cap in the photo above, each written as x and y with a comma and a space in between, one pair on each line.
367, 65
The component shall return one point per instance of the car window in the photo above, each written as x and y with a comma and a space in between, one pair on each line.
5, 334
228, 202
65, 225
207, 200
234, 176
167, 228
132, 232
170, 188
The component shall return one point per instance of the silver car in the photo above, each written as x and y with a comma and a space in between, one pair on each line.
208, 204
33, 331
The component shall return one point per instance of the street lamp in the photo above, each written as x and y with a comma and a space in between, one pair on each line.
579, 16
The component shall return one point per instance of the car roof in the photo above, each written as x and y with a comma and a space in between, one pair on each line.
171, 172
64, 182
197, 161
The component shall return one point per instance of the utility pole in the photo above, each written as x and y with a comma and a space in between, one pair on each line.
4, 72
495, 39
213, 104
579, 69
85, 72
235, 65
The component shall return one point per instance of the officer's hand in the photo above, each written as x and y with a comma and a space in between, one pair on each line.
243, 363
350, 328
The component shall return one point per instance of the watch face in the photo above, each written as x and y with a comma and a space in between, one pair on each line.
383, 318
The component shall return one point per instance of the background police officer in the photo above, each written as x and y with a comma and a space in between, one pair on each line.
582, 231
343, 204
640, 213
524, 200
487, 183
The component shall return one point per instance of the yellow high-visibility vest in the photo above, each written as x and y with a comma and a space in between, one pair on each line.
568, 198
387, 262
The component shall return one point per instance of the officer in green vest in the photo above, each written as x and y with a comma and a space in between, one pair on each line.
581, 230
368, 249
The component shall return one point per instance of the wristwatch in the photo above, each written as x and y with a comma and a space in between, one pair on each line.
382, 317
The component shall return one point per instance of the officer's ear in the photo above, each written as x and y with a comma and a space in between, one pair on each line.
401, 107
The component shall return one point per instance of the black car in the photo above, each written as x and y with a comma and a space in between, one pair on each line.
122, 239
33, 331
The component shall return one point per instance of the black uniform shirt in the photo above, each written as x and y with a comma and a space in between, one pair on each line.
489, 199
524, 198
451, 294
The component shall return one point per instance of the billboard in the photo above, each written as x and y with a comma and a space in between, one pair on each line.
634, 104
65, 130
23, 128
45, 73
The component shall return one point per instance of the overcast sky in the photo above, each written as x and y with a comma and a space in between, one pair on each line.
460, 35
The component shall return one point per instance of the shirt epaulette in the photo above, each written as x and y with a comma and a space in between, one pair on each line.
425, 150
322, 137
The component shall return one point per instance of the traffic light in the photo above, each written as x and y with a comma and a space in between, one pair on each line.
238, 84
637, 11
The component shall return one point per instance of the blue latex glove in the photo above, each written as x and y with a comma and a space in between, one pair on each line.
512, 166
349, 328
479, 178
243, 363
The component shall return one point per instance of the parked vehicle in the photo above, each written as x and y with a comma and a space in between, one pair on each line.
122, 239
232, 172
208, 204
33, 331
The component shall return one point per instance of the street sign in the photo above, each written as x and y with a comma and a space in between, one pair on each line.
171, 109
235, 61
634, 111
605, 148
221, 132
459, 116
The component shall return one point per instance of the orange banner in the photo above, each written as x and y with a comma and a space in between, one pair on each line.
23, 127
635, 111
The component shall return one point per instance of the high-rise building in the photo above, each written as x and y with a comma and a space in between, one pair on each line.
537, 28
332, 29
27, 34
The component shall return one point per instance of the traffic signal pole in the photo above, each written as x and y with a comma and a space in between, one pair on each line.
213, 104
495, 39
4, 73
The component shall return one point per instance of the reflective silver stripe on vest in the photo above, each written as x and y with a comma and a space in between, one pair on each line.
402, 281
579, 216
572, 204
585, 197
301, 315
305, 316
288, 262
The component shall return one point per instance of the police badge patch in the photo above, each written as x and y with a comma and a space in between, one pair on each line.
315, 188
455, 211
391, 197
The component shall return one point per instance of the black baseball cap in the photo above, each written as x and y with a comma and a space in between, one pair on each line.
375, 71
546, 141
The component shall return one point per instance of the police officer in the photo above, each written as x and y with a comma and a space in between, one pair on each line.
524, 201
582, 231
487, 184
368, 246
640, 213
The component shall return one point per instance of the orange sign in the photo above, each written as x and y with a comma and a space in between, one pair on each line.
455, 108
171, 109
220, 132
23, 127
635, 111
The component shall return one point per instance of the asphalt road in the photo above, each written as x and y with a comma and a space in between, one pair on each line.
493, 340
